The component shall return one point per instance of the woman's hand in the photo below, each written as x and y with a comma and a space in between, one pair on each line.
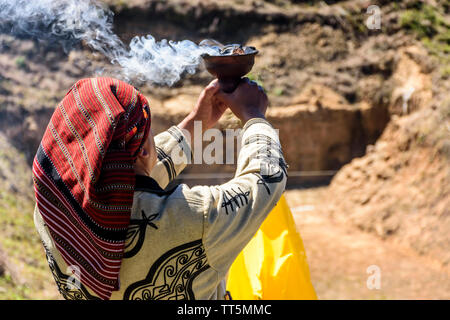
208, 110
246, 102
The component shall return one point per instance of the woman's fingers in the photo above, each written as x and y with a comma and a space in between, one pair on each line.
223, 97
212, 88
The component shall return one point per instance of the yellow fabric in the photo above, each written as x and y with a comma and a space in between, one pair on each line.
273, 265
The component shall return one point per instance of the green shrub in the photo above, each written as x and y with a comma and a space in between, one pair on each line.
21, 62
425, 21
429, 24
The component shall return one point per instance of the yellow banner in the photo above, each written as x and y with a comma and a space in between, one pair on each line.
273, 265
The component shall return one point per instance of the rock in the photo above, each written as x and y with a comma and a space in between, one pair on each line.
412, 86
407, 197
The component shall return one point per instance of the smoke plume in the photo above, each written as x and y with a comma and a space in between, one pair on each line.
71, 21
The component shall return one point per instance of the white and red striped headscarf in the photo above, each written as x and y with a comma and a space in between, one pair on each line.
84, 176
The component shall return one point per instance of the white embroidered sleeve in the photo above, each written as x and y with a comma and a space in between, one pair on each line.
234, 211
174, 153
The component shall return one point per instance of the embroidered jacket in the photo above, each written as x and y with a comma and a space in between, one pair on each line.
181, 242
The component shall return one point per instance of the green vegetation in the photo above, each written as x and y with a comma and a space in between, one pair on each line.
28, 275
20, 241
278, 91
21, 62
256, 78
10, 291
430, 25
426, 21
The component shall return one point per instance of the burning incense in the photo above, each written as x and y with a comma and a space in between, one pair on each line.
228, 63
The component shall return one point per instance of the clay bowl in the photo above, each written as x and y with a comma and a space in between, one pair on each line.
229, 69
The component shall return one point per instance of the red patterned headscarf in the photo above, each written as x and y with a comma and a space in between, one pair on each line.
84, 176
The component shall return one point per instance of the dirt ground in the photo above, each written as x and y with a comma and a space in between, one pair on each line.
339, 256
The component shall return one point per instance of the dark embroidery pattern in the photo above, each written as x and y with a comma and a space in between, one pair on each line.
234, 199
171, 276
272, 176
262, 182
182, 144
65, 286
168, 163
270, 164
273, 168
260, 138
270, 170
136, 234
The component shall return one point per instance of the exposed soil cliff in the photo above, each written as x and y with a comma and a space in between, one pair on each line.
401, 188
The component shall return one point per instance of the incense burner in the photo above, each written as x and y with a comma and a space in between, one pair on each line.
230, 64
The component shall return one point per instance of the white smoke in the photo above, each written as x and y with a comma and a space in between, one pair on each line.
72, 21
